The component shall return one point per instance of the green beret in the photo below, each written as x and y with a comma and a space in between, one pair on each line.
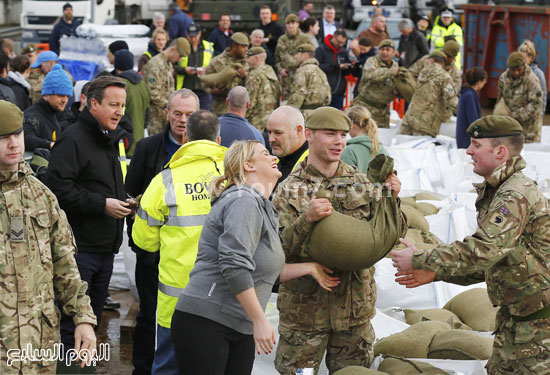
328, 118
306, 47
240, 38
493, 126
438, 54
515, 60
386, 43
183, 46
29, 48
291, 18
12, 118
255, 51
451, 48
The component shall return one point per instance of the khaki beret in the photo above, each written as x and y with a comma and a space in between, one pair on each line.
515, 60
328, 118
255, 51
451, 48
29, 48
183, 47
291, 18
493, 126
306, 47
12, 118
240, 38
438, 54
386, 43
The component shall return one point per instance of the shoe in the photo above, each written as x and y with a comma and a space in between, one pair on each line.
110, 304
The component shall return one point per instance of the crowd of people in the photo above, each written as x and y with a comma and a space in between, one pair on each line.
231, 139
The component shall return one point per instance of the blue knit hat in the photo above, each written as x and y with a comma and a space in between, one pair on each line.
57, 82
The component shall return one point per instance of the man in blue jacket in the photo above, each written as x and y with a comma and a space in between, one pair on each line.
66, 26
179, 22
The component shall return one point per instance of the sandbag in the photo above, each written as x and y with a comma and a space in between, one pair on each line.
409, 201
501, 109
426, 208
439, 315
412, 342
345, 243
474, 309
430, 238
222, 77
404, 83
426, 196
461, 345
379, 168
414, 235
402, 366
415, 219
359, 370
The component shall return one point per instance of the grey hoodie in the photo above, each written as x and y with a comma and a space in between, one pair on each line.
239, 248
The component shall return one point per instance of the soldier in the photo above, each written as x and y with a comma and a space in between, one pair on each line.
158, 73
310, 88
38, 267
520, 89
231, 57
508, 251
42, 66
376, 88
313, 321
263, 87
434, 94
287, 46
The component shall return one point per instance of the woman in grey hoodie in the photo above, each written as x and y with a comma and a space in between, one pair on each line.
219, 317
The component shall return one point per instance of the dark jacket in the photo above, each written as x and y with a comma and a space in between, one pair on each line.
23, 100
321, 35
273, 32
151, 52
468, 110
412, 48
6, 92
220, 40
84, 171
42, 125
178, 24
329, 62
62, 28
287, 163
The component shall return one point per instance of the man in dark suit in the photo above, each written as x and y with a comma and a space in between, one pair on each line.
328, 25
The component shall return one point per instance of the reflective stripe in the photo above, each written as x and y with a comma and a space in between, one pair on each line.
170, 195
301, 159
171, 291
122, 159
185, 221
148, 54
184, 61
151, 221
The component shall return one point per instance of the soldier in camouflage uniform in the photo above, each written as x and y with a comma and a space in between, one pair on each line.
313, 320
376, 89
287, 45
310, 88
42, 66
263, 86
509, 250
434, 94
37, 265
521, 91
158, 74
232, 56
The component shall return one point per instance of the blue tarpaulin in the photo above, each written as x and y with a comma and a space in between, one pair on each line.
81, 70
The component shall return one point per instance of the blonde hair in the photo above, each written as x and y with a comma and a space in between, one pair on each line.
157, 32
528, 47
362, 117
239, 153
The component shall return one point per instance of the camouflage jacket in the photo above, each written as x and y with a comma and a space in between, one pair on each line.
376, 87
264, 92
511, 245
158, 73
303, 304
453, 71
37, 269
36, 78
310, 86
287, 45
434, 94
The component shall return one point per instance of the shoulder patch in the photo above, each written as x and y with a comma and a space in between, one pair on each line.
151, 80
504, 211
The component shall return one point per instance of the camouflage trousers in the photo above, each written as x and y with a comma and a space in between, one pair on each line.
286, 84
520, 348
409, 130
301, 349
379, 114
533, 132
157, 120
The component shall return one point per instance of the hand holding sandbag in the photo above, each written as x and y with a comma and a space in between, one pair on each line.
221, 78
404, 83
319, 207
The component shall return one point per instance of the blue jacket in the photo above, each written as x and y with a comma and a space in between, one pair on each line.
220, 40
178, 24
237, 128
62, 28
468, 110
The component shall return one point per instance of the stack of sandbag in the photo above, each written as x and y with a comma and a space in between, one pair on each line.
438, 315
402, 366
474, 308
460, 345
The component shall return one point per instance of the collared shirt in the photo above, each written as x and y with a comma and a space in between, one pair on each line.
329, 28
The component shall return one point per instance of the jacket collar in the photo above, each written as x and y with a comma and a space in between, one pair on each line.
502, 173
15, 176
201, 149
92, 125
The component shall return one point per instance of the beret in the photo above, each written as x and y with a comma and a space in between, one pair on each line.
12, 118
439, 54
240, 38
386, 43
306, 47
494, 126
515, 60
291, 18
451, 48
255, 51
328, 118
184, 48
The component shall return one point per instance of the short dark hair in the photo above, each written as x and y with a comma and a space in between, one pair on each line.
365, 41
4, 61
475, 75
97, 87
514, 143
20, 63
341, 32
84, 90
265, 6
307, 23
202, 125
224, 14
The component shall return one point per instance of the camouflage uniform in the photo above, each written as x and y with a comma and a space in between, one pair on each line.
509, 251
523, 96
217, 64
377, 90
287, 45
434, 94
36, 78
158, 73
36, 271
264, 91
312, 319
310, 88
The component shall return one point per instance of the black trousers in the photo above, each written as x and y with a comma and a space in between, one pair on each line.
203, 346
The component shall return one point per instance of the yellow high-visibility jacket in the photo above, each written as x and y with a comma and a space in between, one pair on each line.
206, 58
438, 34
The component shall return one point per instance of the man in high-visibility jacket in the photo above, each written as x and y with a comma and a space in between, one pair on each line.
191, 67
445, 26
170, 218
